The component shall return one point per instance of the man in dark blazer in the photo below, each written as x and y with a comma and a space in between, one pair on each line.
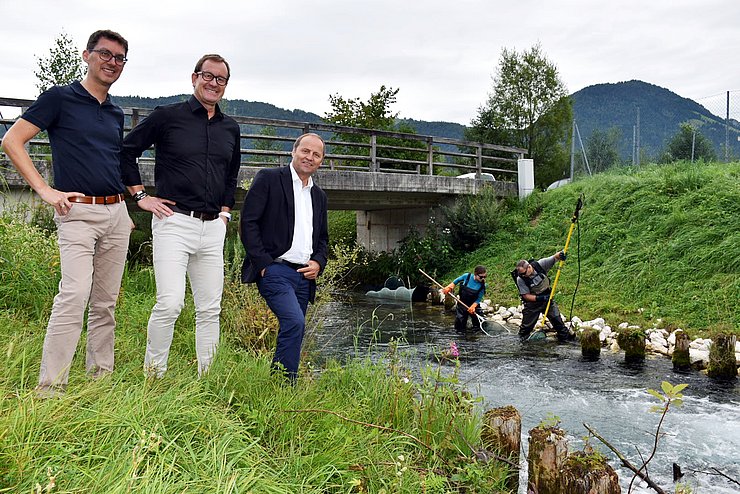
285, 234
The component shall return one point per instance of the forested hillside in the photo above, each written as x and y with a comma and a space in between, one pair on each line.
599, 107
608, 106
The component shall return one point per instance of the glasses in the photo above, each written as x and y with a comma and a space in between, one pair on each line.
482, 276
106, 56
208, 77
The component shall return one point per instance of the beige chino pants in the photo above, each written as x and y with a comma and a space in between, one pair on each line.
93, 241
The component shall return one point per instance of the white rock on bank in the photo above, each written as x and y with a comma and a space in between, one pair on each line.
700, 344
699, 356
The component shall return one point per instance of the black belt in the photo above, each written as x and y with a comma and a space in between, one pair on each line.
293, 265
196, 214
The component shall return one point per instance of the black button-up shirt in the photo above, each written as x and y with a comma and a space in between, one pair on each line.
196, 159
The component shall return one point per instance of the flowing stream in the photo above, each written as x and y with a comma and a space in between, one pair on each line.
545, 379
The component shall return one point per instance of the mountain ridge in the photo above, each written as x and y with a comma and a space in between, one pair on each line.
600, 106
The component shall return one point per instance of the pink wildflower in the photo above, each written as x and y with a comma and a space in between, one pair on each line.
453, 350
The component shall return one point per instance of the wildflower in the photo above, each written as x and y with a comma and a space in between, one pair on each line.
453, 350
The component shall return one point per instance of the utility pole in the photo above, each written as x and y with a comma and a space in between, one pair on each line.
572, 149
638, 137
727, 130
634, 142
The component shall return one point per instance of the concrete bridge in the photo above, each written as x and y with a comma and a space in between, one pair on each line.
394, 181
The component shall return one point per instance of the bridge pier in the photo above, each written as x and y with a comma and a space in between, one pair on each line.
381, 230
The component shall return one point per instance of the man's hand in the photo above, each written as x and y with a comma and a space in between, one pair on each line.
311, 272
157, 206
561, 256
58, 199
471, 309
542, 297
448, 288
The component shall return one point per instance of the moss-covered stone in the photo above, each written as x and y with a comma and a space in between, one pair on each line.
722, 362
632, 341
588, 474
590, 343
681, 359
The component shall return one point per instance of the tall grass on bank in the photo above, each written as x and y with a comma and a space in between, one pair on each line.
354, 426
658, 242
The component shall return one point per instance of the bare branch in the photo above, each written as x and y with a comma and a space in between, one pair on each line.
644, 476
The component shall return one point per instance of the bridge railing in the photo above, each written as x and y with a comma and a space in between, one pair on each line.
268, 142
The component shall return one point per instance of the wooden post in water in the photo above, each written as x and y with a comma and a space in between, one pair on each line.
681, 359
588, 474
548, 448
502, 431
722, 362
590, 344
632, 341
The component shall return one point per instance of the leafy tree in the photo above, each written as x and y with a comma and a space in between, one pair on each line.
529, 108
602, 149
679, 146
62, 66
375, 113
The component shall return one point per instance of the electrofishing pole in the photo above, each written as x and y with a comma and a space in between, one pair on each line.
573, 221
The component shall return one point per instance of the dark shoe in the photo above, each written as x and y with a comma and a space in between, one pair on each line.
567, 337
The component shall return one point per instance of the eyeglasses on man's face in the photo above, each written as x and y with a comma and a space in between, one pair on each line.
208, 77
106, 56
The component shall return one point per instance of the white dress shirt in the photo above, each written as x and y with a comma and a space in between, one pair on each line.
302, 246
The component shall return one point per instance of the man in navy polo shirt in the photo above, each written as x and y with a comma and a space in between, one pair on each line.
86, 133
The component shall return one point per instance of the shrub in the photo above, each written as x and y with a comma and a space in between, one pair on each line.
29, 267
472, 219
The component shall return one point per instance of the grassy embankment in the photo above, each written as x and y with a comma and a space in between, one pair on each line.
354, 427
658, 245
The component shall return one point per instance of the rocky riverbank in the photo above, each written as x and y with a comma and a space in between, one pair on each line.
657, 340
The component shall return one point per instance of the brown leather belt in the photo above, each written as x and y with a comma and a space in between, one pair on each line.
98, 199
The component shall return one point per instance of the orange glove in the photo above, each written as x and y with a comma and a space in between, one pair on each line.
471, 309
448, 288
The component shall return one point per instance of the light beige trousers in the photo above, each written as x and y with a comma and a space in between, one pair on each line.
93, 241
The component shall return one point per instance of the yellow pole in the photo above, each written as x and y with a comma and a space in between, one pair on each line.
573, 222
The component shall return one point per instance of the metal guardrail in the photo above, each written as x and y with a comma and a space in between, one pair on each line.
268, 142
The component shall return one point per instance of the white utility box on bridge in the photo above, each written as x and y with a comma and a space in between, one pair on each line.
526, 177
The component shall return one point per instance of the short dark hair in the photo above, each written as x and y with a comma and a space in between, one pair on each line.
214, 58
522, 264
479, 269
300, 138
92, 41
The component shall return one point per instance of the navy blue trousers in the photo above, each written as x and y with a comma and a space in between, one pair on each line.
286, 292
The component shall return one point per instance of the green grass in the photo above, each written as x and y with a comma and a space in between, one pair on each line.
354, 426
661, 242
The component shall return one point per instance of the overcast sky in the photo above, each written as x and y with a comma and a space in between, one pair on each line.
442, 55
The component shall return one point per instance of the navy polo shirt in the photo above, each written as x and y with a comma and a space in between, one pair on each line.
85, 136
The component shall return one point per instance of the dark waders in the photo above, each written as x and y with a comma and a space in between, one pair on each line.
468, 297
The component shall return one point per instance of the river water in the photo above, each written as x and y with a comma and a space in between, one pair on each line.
545, 379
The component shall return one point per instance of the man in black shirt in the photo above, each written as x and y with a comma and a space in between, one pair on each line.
196, 165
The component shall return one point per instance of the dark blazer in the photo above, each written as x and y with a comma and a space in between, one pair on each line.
267, 221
